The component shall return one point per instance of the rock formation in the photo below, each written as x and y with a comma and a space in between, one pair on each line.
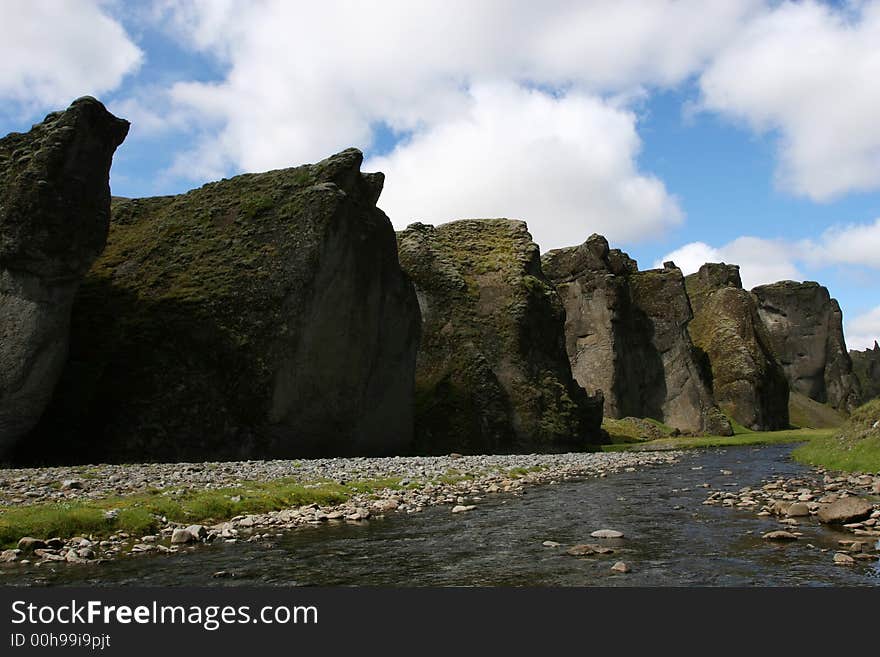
806, 334
748, 382
866, 367
54, 215
261, 316
626, 334
492, 370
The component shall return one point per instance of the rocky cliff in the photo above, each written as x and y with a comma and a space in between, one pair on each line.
265, 315
54, 216
805, 328
866, 367
492, 369
626, 334
748, 382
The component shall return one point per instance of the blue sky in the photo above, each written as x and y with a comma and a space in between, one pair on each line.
737, 131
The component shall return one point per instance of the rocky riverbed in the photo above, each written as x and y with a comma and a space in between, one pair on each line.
461, 482
849, 503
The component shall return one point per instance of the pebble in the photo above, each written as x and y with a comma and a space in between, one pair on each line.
621, 567
462, 508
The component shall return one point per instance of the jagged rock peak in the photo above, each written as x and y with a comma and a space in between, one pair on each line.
54, 186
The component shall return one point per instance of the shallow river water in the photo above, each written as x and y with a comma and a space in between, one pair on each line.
671, 539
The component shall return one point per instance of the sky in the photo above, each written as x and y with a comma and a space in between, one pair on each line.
739, 131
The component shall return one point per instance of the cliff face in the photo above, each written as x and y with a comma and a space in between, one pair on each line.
265, 315
748, 382
866, 367
806, 334
492, 370
54, 215
626, 334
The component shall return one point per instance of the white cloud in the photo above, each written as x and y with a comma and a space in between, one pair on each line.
760, 260
852, 244
863, 330
306, 80
808, 72
565, 165
53, 52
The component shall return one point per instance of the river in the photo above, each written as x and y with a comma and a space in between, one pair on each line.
671, 539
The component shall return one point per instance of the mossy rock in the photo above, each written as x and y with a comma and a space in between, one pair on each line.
748, 383
492, 371
264, 315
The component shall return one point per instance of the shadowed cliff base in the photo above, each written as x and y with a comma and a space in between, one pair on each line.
260, 316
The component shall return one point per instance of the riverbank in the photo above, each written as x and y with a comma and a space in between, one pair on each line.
84, 514
740, 438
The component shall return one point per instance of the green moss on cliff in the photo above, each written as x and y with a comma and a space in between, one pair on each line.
492, 372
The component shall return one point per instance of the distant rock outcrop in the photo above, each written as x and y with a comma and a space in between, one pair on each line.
261, 316
748, 382
866, 367
626, 334
54, 214
806, 334
492, 370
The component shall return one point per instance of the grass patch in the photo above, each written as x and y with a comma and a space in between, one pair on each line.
839, 454
634, 430
516, 473
854, 447
747, 438
141, 514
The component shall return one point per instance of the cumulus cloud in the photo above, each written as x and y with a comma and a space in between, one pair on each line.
305, 80
53, 52
852, 244
808, 73
760, 260
565, 165
863, 330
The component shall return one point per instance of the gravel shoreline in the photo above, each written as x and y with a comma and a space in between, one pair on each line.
423, 476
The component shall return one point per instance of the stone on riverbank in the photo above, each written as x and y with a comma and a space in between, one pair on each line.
621, 567
29, 544
845, 510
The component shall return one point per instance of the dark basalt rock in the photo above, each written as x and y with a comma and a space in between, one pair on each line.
866, 367
54, 217
806, 334
626, 335
492, 370
261, 316
747, 381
